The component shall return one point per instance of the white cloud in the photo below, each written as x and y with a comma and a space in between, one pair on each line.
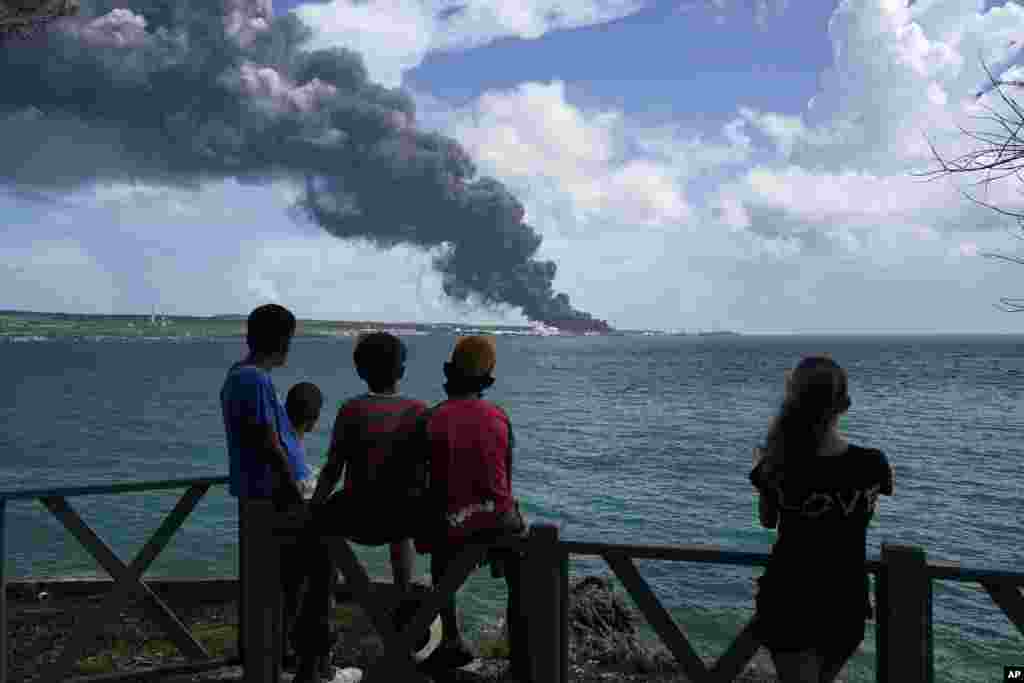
794, 202
573, 167
55, 275
234, 248
842, 173
392, 36
608, 194
395, 35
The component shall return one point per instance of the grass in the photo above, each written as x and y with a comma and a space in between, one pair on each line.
104, 661
492, 647
345, 616
219, 639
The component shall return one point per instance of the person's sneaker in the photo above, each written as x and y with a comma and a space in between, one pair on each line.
348, 675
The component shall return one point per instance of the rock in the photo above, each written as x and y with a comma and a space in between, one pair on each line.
603, 630
596, 610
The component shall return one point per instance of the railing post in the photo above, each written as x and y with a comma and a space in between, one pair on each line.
3, 590
929, 643
904, 616
543, 577
242, 533
563, 616
881, 625
261, 594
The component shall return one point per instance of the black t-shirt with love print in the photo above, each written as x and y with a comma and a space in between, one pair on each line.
825, 504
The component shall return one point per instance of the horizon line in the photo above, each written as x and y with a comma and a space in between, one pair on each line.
669, 331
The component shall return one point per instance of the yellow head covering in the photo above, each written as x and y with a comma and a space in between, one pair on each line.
475, 356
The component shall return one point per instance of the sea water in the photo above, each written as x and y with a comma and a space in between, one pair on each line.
619, 439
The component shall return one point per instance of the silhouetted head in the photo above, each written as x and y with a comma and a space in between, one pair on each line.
471, 368
380, 360
303, 406
816, 395
269, 333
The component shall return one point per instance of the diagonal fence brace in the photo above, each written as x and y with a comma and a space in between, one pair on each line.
397, 645
127, 580
1009, 599
657, 616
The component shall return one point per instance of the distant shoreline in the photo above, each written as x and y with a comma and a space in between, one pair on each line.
50, 324
232, 325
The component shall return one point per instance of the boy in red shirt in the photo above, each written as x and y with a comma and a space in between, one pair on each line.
370, 430
470, 444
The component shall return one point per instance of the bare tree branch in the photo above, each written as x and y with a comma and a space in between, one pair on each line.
999, 155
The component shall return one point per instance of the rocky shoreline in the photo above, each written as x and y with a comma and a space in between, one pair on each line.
604, 645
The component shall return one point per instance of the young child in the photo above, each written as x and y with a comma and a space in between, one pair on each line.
369, 430
303, 406
470, 444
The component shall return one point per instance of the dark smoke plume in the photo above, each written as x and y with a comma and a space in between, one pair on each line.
182, 91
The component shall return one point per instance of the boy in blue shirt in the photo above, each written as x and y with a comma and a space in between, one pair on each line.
261, 442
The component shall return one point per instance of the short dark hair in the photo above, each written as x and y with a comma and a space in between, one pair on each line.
380, 359
270, 329
303, 403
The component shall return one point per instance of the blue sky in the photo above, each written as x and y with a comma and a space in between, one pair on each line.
656, 59
689, 165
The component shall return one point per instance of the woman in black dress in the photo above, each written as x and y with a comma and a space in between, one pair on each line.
820, 492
